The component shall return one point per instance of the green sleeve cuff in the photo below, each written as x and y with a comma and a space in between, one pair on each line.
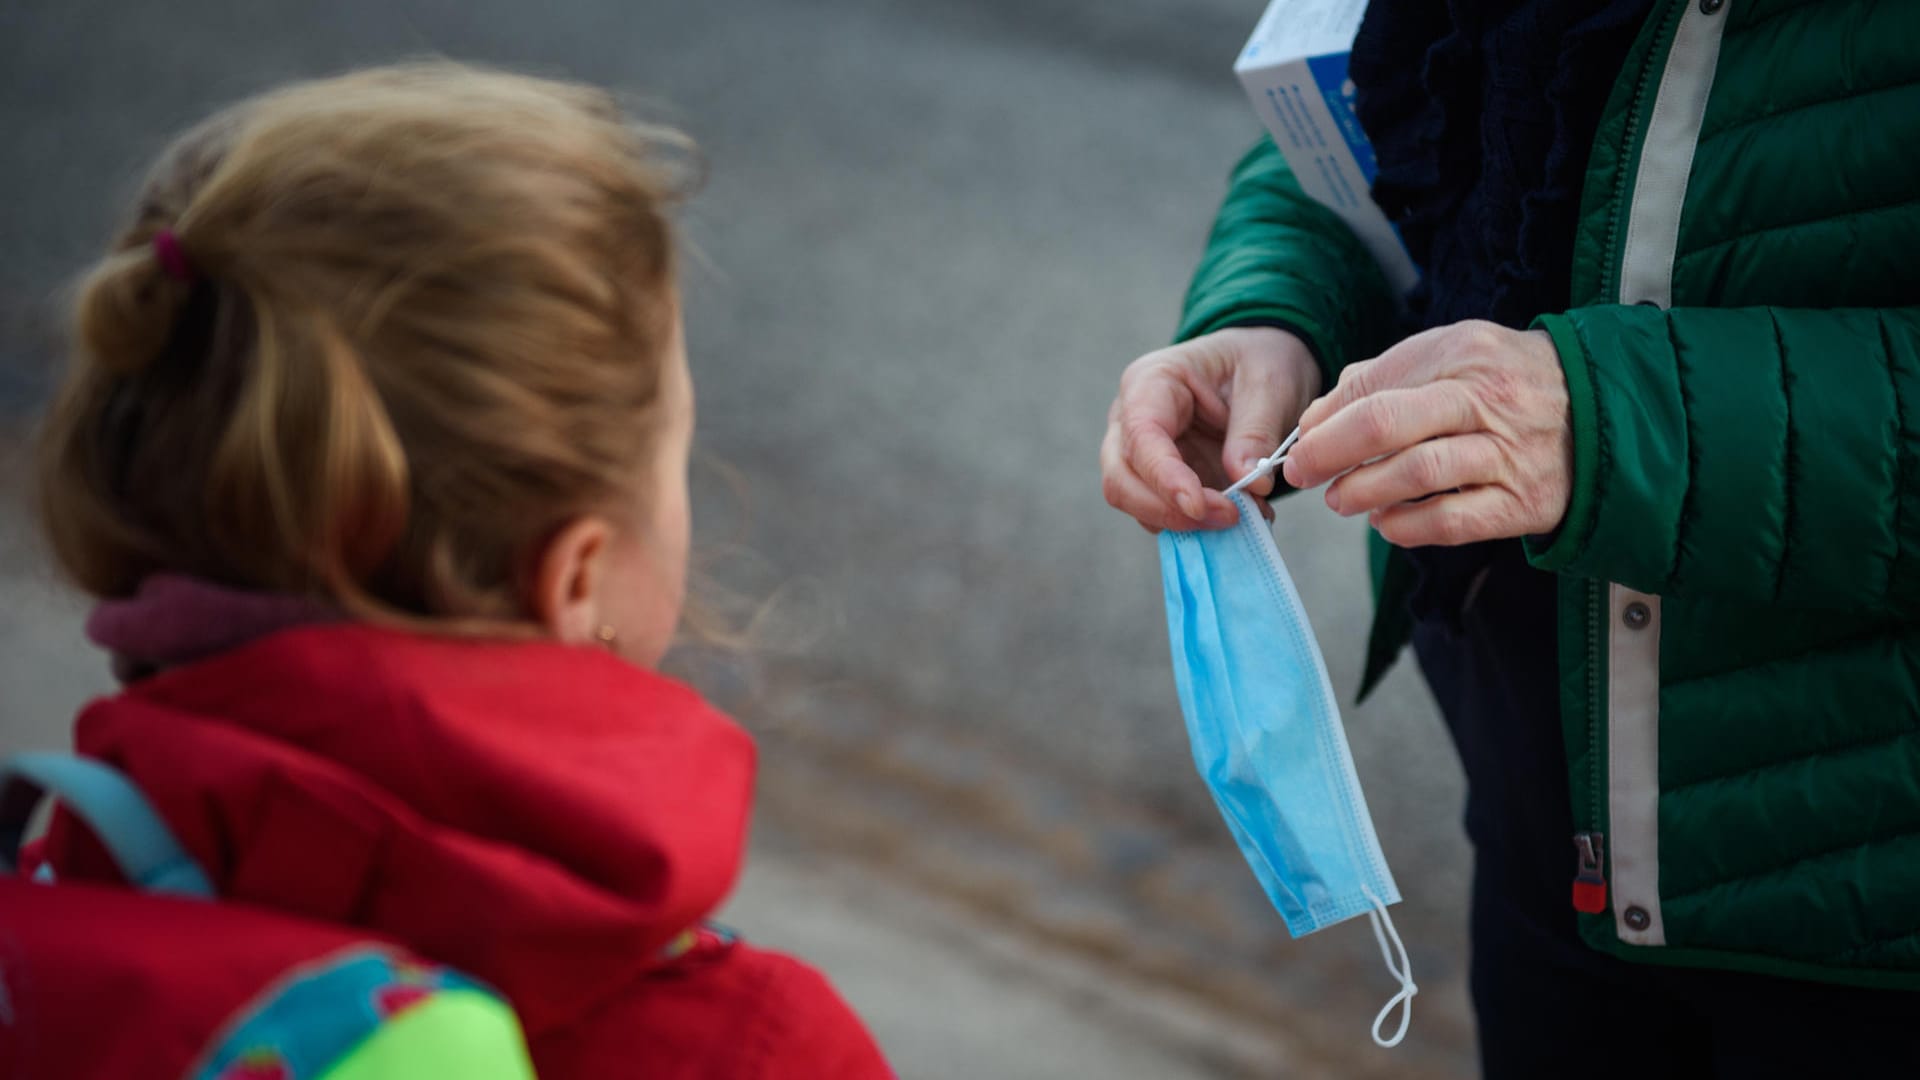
1275, 257
1557, 550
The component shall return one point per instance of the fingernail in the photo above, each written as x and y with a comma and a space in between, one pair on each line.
1291, 471
1189, 505
1333, 500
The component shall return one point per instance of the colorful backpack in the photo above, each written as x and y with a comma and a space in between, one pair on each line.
161, 979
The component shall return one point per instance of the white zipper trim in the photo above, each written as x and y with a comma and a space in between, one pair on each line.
1666, 159
1633, 767
1633, 649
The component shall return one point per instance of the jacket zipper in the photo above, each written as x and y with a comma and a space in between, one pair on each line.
1590, 879
1610, 282
1590, 882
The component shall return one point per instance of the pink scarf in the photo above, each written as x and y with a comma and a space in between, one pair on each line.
173, 619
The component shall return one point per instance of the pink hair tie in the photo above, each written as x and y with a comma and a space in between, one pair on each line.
166, 248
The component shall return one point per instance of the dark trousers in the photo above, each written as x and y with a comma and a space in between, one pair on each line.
1548, 1005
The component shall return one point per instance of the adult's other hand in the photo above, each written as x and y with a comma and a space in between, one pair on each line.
1454, 435
1191, 419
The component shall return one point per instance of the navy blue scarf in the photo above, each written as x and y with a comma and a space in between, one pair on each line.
1482, 114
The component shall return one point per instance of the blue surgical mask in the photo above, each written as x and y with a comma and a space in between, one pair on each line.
1267, 737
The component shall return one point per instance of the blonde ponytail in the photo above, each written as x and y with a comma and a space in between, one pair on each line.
423, 326
127, 308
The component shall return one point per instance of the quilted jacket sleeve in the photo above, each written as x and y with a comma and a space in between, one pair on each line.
1760, 454
1277, 257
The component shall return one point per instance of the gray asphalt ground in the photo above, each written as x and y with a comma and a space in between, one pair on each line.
934, 234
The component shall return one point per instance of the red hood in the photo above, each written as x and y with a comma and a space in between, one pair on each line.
545, 818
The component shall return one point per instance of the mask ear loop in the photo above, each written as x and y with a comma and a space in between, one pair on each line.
1265, 465
1383, 931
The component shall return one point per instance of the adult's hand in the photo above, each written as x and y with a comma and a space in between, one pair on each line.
1191, 419
1454, 435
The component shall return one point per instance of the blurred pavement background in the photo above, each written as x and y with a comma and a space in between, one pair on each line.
934, 233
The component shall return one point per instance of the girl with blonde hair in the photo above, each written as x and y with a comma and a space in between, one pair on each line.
374, 452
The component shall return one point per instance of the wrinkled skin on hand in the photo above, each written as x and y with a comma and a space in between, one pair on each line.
1455, 435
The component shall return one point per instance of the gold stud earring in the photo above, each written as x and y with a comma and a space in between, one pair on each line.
607, 635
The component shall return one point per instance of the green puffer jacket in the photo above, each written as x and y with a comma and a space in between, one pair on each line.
1740, 564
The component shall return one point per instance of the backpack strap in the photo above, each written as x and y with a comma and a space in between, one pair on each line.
125, 823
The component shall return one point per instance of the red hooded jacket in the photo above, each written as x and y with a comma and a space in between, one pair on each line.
547, 819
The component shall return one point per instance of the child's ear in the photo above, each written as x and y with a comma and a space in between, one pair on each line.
567, 575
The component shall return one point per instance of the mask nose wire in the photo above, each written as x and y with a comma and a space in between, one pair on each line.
1398, 966
1266, 465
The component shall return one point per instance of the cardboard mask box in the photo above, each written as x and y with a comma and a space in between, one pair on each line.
1294, 69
